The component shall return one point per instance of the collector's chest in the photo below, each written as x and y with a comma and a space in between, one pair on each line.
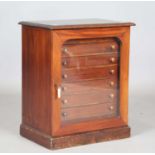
74, 81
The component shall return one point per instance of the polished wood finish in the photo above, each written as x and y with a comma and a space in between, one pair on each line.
89, 47
89, 112
89, 98
60, 37
36, 78
89, 86
89, 64
91, 60
89, 73
76, 139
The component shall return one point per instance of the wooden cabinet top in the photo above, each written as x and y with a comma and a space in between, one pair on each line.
75, 24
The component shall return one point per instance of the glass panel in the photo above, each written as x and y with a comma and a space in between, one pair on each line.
90, 80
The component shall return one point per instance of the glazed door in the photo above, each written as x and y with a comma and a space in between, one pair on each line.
87, 81
90, 80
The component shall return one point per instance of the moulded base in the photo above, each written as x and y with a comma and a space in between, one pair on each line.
75, 139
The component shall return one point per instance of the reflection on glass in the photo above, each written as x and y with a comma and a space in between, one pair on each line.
90, 80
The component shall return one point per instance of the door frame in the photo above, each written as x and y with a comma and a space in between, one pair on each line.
59, 37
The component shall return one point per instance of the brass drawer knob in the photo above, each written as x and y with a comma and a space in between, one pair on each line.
111, 107
65, 49
64, 114
64, 101
63, 88
112, 59
65, 76
111, 95
112, 71
64, 63
113, 47
112, 83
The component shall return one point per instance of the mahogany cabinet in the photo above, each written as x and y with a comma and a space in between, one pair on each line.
74, 81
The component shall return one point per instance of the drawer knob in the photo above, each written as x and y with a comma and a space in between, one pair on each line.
112, 71
64, 63
64, 101
63, 88
112, 83
111, 107
112, 59
111, 95
113, 47
65, 50
65, 76
64, 114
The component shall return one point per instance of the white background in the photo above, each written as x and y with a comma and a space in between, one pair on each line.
142, 72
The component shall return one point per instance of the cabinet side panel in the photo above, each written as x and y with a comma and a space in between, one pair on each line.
36, 78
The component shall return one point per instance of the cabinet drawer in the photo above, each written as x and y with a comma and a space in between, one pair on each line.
89, 47
91, 97
89, 73
89, 112
91, 60
69, 88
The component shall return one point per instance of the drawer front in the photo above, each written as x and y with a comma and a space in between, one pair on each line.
90, 80
89, 73
91, 60
89, 98
87, 48
69, 88
87, 112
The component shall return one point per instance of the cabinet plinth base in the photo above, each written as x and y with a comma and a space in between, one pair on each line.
76, 139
